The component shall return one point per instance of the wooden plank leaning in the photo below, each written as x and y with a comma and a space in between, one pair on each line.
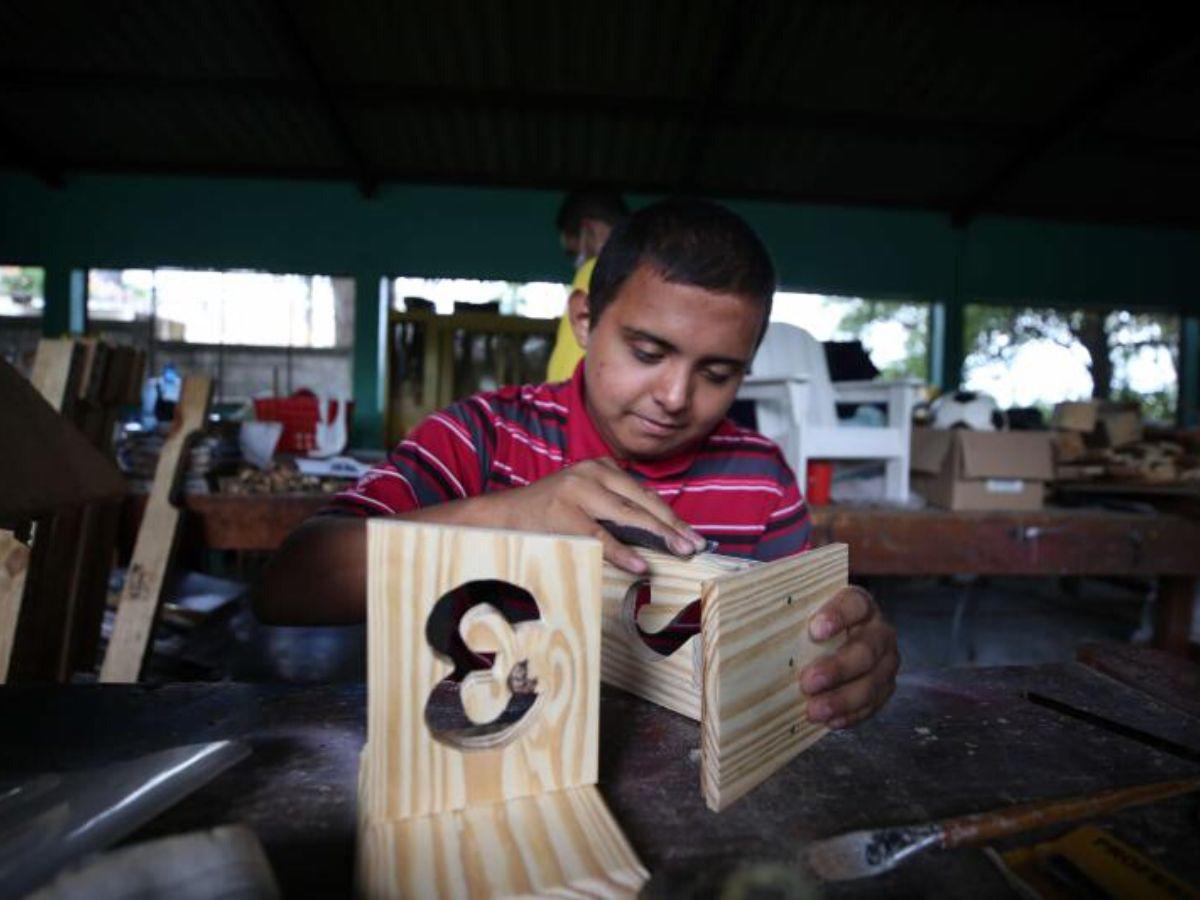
55, 376
141, 596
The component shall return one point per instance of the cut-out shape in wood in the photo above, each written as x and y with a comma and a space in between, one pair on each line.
493, 687
478, 810
738, 675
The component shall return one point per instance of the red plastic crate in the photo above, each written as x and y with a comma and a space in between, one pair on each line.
298, 413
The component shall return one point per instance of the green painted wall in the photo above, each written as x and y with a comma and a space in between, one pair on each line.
318, 227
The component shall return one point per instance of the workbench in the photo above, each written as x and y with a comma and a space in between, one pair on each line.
951, 741
883, 541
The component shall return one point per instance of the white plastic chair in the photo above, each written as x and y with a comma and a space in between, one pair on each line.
796, 406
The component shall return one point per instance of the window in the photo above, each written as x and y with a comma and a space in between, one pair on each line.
532, 300
1026, 356
255, 332
22, 297
895, 335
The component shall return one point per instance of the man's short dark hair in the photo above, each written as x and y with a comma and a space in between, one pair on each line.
591, 203
691, 242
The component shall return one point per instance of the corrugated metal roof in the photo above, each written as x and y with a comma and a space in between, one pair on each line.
1083, 111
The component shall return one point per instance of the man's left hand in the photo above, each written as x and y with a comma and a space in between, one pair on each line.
850, 684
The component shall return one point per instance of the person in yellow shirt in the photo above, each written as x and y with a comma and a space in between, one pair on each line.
585, 220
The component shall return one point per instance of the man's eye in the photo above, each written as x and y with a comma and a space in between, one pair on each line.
717, 376
646, 356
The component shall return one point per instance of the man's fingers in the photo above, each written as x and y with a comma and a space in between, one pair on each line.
853, 699
603, 504
856, 717
620, 555
850, 606
853, 659
623, 484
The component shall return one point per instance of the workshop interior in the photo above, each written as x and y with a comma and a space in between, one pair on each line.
661, 449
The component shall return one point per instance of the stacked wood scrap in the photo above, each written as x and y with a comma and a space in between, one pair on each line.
281, 478
57, 600
1105, 443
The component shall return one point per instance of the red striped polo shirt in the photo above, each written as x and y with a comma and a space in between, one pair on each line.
734, 487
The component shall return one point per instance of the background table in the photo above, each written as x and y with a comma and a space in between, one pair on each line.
885, 542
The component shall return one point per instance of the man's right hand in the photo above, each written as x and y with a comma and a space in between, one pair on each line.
574, 500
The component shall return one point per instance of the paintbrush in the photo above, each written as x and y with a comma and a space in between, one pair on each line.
860, 854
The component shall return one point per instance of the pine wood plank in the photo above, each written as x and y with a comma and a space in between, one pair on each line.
410, 567
755, 632
561, 844
672, 681
501, 813
142, 593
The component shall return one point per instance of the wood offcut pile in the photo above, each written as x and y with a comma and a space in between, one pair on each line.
281, 478
1099, 442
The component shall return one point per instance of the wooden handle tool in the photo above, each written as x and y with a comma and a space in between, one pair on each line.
859, 854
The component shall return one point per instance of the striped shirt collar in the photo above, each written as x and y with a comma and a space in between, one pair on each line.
585, 442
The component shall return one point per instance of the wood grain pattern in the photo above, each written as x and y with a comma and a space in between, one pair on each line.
626, 662
561, 844
142, 593
496, 817
755, 631
410, 567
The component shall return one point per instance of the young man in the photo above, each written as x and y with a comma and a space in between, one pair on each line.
679, 301
585, 220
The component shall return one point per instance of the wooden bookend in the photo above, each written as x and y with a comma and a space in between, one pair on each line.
155, 544
484, 786
738, 674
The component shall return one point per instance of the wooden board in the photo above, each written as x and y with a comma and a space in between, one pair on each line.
626, 662
109, 387
14, 567
45, 462
142, 593
562, 844
755, 631
410, 568
35, 431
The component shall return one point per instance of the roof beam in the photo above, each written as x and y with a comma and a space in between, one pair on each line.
1088, 105
22, 156
728, 58
786, 118
489, 179
368, 182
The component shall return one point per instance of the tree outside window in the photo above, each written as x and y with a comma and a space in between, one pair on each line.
1030, 356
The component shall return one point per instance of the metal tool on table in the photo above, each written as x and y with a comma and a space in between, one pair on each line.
643, 537
860, 854
49, 820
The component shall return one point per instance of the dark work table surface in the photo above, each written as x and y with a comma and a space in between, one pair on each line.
951, 741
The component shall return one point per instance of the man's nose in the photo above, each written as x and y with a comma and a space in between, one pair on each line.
673, 390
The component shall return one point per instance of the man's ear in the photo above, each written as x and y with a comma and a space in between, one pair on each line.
580, 318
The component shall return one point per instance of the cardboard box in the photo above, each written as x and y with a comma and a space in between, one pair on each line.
961, 469
1076, 415
1119, 428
